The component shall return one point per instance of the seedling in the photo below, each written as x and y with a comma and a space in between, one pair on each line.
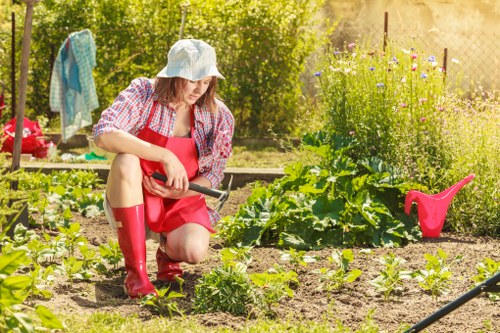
40, 277
485, 270
73, 269
165, 304
297, 258
72, 237
274, 287
237, 254
111, 253
390, 280
436, 277
334, 279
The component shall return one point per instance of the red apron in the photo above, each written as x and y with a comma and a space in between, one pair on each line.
164, 215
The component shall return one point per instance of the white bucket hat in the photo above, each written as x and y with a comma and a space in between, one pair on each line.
191, 59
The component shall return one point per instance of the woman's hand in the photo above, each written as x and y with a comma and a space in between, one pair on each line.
153, 186
177, 178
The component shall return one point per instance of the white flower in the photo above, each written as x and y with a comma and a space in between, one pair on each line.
456, 61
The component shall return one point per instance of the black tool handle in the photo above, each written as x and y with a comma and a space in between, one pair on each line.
194, 187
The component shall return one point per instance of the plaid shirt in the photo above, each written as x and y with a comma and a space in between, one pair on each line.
212, 131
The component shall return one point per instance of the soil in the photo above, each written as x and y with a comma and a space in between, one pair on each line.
350, 305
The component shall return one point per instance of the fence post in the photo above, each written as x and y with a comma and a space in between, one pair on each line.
445, 61
386, 28
22, 217
13, 66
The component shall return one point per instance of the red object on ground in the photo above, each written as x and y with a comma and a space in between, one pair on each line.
432, 209
32, 142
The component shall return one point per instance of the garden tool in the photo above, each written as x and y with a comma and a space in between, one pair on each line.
131, 238
220, 195
432, 209
490, 285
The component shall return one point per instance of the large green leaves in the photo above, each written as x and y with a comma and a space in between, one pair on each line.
340, 202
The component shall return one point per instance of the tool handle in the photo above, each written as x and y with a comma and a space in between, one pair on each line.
194, 187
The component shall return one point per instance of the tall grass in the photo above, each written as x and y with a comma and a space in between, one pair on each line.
398, 106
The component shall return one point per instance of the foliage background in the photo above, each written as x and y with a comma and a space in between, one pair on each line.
262, 48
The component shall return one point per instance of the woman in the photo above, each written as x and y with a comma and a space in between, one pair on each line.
174, 125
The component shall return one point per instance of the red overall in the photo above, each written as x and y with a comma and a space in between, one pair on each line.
164, 215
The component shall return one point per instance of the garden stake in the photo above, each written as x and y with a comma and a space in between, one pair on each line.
220, 195
490, 285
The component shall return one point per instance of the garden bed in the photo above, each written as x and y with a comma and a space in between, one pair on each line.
350, 305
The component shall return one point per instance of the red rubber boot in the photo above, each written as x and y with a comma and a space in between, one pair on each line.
132, 240
167, 268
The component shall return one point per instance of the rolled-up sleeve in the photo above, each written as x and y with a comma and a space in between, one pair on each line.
127, 111
221, 147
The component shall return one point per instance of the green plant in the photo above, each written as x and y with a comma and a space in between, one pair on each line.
40, 277
72, 269
164, 303
227, 289
398, 106
91, 258
273, 287
436, 277
335, 278
111, 253
390, 279
485, 270
338, 202
71, 237
14, 315
239, 254
297, 258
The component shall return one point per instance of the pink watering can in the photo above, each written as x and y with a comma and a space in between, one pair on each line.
432, 209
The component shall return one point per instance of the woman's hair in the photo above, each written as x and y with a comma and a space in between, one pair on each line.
167, 88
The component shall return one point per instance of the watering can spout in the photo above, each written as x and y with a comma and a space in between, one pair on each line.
432, 209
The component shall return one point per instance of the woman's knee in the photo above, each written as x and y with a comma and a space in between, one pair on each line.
194, 252
191, 250
126, 165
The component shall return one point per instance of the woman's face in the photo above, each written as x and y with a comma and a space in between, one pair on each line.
193, 90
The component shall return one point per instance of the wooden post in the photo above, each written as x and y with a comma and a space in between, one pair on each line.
13, 68
386, 28
23, 82
445, 63
183, 19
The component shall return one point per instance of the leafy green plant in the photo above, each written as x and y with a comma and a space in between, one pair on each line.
238, 254
73, 269
40, 277
273, 287
436, 277
14, 315
91, 258
71, 237
165, 303
227, 288
390, 279
485, 270
111, 253
335, 278
297, 258
338, 202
